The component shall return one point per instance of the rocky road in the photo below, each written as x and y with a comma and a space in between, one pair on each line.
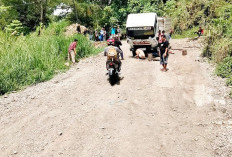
183, 112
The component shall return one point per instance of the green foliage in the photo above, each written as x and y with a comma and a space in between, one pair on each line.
143, 6
91, 13
15, 28
229, 81
26, 60
186, 33
218, 49
7, 14
224, 69
107, 18
26, 11
169, 7
218, 41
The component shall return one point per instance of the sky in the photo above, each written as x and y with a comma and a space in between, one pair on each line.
62, 10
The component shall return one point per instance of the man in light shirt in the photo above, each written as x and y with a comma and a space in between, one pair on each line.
140, 54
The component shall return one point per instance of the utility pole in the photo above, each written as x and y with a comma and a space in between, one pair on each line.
75, 10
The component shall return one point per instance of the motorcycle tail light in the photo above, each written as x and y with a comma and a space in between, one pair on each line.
111, 63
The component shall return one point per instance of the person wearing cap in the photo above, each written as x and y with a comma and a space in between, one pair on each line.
72, 51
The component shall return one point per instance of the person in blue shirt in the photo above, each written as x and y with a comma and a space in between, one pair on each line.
101, 34
113, 31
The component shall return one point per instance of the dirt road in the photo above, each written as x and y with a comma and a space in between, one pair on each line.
149, 113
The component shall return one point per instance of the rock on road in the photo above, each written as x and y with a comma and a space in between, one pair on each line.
149, 113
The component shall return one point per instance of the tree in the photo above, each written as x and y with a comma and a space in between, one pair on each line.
7, 14
31, 12
142, 6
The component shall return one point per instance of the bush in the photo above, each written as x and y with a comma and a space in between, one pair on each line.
186, 34
224, 69
27, 60
15, 28
229, 81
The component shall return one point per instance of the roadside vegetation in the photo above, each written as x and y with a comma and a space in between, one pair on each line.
26, 60
215, 17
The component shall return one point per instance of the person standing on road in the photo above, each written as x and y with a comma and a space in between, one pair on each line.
72, 51
170, 34
101, 34
96, 35
119, 32
104, 34
166, 35
159, 36
113, 31
164, 53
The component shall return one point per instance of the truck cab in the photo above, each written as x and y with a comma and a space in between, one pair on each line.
142, 31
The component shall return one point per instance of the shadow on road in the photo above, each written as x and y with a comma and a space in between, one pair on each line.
115, 80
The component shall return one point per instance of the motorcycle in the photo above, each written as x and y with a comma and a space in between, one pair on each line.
113, 69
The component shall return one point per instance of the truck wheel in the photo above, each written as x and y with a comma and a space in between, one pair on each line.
134, 52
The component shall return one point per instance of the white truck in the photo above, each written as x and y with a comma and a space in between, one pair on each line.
142, 32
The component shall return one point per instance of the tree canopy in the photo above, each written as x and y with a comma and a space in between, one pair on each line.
91, 13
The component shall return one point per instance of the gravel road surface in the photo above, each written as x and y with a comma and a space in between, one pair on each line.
185, 112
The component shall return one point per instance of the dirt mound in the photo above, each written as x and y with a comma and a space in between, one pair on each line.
75, 28
98, 44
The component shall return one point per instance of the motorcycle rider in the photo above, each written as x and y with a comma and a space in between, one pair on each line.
117, 42
119, 53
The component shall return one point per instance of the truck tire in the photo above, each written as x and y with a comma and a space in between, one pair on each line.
133, 53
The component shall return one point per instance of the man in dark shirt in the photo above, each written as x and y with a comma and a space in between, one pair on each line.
164, 52
117, 42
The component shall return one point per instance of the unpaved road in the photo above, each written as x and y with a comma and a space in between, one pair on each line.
184, 112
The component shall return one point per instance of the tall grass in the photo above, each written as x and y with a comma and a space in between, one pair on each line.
186, 33
224, 69
27, 60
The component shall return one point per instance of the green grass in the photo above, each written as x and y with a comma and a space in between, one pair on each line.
186, 34
224, 69
27, 60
